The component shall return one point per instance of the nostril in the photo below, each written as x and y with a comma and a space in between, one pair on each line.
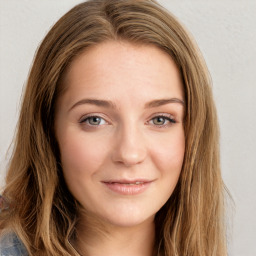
130, 147
129, 157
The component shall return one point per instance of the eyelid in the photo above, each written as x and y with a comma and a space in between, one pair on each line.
83, 118
168, 117
163, 115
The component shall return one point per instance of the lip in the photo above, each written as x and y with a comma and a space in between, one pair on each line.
128, 187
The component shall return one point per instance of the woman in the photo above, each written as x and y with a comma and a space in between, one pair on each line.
117, 143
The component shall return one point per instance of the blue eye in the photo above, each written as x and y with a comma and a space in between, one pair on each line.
93, 121
162, 120
159, 121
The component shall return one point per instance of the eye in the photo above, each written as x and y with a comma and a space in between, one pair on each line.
93, 121
162, 120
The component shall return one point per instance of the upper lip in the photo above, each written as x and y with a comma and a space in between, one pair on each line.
127, 181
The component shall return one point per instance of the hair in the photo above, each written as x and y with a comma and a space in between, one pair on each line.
41, 210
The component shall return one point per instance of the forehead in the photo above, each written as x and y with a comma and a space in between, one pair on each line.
121, 69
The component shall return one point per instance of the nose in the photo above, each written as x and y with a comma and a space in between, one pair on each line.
130, 148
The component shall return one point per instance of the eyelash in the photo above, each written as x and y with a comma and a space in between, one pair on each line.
168, 118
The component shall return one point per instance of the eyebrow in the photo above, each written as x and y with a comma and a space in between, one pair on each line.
110, 104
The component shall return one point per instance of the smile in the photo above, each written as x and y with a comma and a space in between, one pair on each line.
127, 187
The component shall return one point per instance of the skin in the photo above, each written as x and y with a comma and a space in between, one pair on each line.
128, 142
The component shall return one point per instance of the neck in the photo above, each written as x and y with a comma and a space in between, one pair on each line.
98, 238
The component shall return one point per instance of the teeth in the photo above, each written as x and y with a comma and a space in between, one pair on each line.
130, 184
136, 183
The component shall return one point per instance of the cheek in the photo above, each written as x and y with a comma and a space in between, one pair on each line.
169, 154
168, 158
81, 155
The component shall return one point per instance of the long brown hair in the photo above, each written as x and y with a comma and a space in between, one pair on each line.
41, 210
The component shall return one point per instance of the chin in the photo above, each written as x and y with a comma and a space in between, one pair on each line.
129, 222
128, 218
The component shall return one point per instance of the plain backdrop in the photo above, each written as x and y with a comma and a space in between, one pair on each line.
225, 31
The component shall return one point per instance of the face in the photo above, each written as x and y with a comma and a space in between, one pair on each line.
119, 126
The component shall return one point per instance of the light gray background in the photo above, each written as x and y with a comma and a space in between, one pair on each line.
225, 31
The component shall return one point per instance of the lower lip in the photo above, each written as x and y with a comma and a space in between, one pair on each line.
125, 189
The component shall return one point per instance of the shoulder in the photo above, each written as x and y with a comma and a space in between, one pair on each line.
10, 245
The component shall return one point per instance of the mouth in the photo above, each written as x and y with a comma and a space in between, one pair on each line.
127, 187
